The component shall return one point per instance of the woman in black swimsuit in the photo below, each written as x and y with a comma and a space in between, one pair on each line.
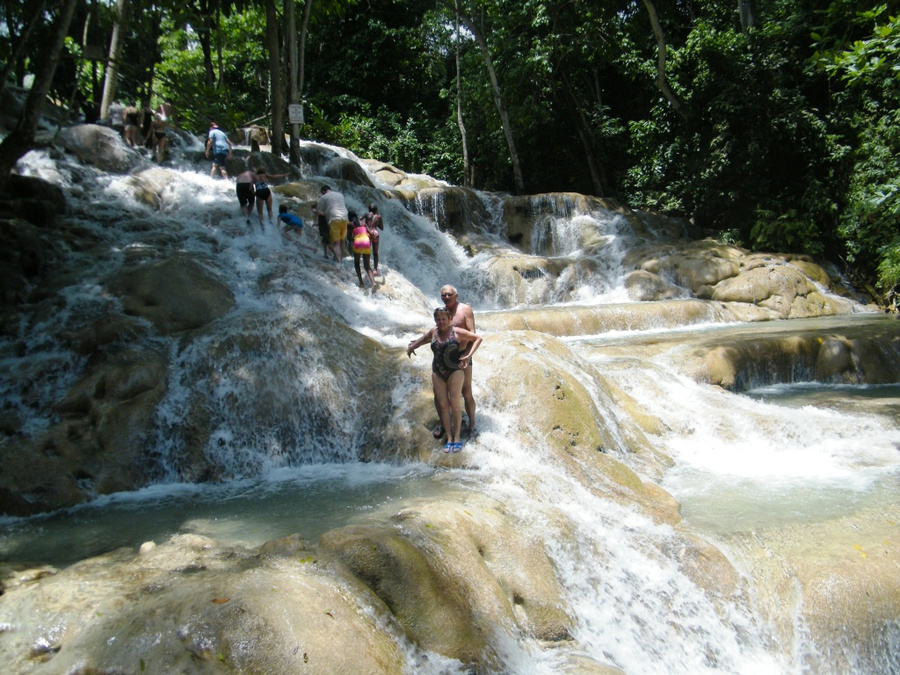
452, 348
264, 194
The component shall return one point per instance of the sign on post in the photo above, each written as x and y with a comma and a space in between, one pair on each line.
295, 113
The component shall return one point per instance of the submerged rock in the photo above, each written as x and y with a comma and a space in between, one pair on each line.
176, 294
446, 577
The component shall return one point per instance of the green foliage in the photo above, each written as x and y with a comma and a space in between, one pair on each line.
788, 137
889, 270
243, 95
790, 231
859, 49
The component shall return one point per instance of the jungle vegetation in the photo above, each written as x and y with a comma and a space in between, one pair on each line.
773, 124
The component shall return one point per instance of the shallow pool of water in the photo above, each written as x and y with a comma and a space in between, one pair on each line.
309, 501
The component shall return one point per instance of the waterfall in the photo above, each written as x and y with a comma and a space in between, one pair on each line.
295, 410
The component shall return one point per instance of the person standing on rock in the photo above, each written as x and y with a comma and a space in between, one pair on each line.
362, 248
264, 194
245, 192
132, 117
452, 348
374, 223
220, 145
159, 126
332, 206
324, 233
461, 316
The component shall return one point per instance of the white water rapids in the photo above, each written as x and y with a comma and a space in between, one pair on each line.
782, 455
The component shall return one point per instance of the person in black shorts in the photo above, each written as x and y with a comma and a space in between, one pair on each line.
324, 233
245, 192
264, 194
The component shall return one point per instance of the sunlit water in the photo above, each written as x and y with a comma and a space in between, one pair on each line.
766, 458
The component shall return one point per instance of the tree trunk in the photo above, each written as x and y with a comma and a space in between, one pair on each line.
304, 27
21, 139
746, 12
275, 77
587, 140
498, 101
467, 179
20, 44
204, 34
294, 96
220, 79
115, 53
661, 82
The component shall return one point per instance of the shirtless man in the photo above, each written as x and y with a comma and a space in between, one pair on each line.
245, 193
461, 316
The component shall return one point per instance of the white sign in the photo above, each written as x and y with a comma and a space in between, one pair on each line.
295, 113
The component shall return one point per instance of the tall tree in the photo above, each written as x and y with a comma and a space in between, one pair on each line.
497, 94
276, 100
290, 39
20, 41
468, 179
662, 82
115, 54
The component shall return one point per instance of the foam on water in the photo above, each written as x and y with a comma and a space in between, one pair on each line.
630, 599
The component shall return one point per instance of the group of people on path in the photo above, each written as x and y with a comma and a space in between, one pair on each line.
453, 342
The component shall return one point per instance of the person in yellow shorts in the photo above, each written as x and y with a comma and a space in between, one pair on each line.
331, 204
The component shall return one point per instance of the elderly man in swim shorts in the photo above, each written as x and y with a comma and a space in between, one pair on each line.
332, 206
461, 316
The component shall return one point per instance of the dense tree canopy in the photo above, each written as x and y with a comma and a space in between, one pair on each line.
774, 125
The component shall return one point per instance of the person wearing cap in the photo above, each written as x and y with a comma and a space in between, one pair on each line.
221, 147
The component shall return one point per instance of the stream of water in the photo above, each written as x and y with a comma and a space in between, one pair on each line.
772, 456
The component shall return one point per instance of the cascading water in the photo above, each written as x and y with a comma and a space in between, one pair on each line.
285, 428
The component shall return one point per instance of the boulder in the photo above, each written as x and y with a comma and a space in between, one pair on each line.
453, 209
386, 174
784, 289
191, 605
100, 146
176, 294
343, 168
97, 444
695, 265
643, 285
26, 251
150, 187
33, 200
